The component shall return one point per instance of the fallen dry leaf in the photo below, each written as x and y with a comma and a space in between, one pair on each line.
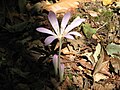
105, 68
65, 84
86, 64
100, 76
80, 81
97, 52
97, 86
107, 86
107, 2
65, 51
92, 13
116, 64
90, 57
98, 65
64, 5
75, 80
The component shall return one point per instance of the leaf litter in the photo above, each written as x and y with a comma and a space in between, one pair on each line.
91, 62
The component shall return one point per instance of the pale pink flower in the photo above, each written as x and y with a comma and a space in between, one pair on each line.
64, 30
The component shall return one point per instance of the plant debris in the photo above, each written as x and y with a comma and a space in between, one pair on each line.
91, 62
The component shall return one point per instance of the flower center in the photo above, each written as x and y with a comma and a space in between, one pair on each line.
60, 36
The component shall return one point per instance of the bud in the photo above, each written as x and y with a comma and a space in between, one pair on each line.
55, 63
61, 71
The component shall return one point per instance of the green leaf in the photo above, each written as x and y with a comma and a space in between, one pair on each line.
88, 30
113, 50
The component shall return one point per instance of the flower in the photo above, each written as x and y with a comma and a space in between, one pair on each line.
63, 31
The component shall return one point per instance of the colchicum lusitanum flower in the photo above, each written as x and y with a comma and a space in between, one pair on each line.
60, 32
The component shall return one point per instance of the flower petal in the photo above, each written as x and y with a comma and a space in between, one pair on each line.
75, 33
54, 22
49, 40
69, 36
78, 19
76, 22
65, 21
45, 30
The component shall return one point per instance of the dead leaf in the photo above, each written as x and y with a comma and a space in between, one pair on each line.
65, 84
75, 80
105, 68
98, 65
86, 64
65, 51
97, 86
101, 68
89, 56
99, 76
57, 46
107, 2
97, 52
116, 64
64, 5
69, 50
55, 83
80, 81
38, 6
109, 86
92, 13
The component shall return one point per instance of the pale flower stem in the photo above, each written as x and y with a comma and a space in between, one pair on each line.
60, 41
59, 60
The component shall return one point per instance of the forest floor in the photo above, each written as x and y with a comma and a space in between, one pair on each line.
92, 62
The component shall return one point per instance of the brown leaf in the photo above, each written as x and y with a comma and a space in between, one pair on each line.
109, 86
101, 68
65, 84
116, 64
65, 51
98, 65
75, 80
92, 13
105, 68
97, 86
87, 65
64, 5
55, 83
80, 81
99, 76
107, 2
